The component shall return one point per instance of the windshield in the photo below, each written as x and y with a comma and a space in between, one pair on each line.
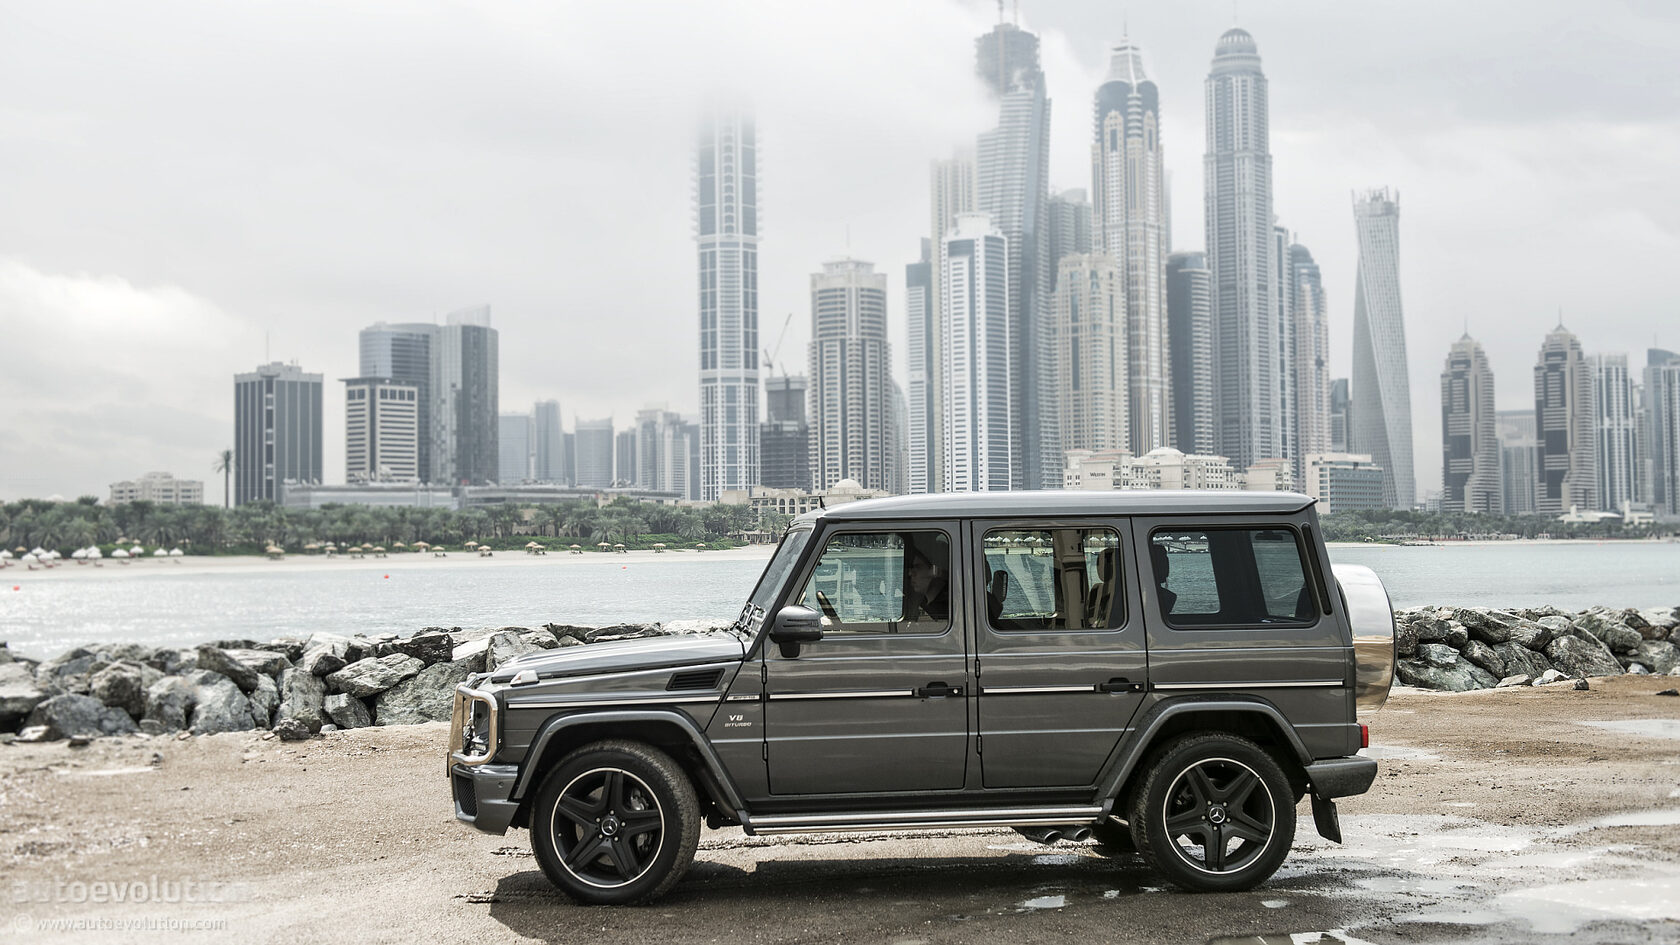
776, 572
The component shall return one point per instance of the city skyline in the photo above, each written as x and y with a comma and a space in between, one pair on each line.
219, 315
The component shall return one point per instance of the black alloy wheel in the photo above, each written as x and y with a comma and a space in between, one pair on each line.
615, 822
1215, 813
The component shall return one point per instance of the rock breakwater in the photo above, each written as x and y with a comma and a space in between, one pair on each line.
1462, 648
291, 686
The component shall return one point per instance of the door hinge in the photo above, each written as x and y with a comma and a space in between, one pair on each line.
979, 744
764, 751
977, 667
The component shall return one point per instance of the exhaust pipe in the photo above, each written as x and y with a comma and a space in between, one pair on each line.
1078, 833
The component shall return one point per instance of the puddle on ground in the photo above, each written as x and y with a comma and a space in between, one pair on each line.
1398, 753
1274, 903
1044, 902
1562, 908
1649, 728
1644, 818
1291, 938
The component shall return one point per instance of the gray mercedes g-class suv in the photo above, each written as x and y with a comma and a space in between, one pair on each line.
1169, 671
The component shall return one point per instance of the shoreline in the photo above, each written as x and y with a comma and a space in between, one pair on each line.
295, 563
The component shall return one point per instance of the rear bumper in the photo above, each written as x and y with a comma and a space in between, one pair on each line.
1341, 777
482, 795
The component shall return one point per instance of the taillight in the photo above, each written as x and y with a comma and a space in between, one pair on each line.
1364, 735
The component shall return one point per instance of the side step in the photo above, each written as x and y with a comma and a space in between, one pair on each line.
770, 824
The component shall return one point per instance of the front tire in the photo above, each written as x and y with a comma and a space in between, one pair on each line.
1215, 813
615, 822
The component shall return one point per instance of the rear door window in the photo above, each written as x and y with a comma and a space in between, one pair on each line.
1230, 577
1052, 579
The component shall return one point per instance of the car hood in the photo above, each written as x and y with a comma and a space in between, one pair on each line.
625, 656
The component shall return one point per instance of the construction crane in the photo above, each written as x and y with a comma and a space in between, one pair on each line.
769, 359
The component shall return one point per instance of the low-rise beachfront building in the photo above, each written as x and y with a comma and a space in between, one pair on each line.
1344, 482
159, 487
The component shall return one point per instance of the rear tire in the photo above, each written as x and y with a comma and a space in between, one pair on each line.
615, 822
1215, 813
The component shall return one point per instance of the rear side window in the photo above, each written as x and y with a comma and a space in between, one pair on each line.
1227, 577
1052, 578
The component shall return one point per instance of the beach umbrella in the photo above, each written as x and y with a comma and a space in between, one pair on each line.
274, 550
38, 551
699, 544
94, 554
79, 554
22, 550
160, 553
421, 546
577, 546
603, 545
312, 546
7, 555
471, 544
398, 545
119, 553
620, 545
137, 551
379, 548
176, 553
28, 559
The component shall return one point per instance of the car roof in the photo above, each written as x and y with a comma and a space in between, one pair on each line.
1051, 503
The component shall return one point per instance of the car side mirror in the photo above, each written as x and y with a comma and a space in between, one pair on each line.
795, 625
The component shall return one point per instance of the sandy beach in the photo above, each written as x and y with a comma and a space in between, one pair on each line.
403, 561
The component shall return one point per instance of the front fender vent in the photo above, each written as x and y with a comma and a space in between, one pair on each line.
695, 679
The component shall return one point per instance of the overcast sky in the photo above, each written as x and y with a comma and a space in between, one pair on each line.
187, 188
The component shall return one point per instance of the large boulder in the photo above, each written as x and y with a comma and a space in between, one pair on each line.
120, 652
289, 647
174, 662
428, 697
219, 705
1655, 623
1437, 654
72, 714
1609, 631
19, 694
347, 711
265, 699
123, 686
1438, 628
1489, 626
1579, 655
505, 646
221, 662
1458, 676
374, 675
324, 658
265, 662
428, 646
1520, 660
169, 703
1657, 656
301, 696
69, 671
1486, 657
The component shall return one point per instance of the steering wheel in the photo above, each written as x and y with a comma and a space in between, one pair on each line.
828, 608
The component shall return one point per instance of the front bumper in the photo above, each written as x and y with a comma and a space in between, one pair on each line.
1341, 777
482, 795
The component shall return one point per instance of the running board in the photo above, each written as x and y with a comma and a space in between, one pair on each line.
919, 819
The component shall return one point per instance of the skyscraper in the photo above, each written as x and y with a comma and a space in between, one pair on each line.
1382, 400
784, 440
726, 202
1014, 190
403, 353
976, 422
662, 449
1517, 451
1341, 407
1091, 338
1615, 434
1662, 429
921, 428
1129, 224
1310, 312
1237, 178
593, 451
548, 444
626, 467
1070, 228
1470, 478
1563, 421
954, 191
464, 385
1190, 342
381, 433
1283, 343
851, 377
276, 431
515, 461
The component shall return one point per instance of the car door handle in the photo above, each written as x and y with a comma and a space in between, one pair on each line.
1120, 684
938, 690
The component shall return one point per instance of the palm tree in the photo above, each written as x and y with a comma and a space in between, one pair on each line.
224, 465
